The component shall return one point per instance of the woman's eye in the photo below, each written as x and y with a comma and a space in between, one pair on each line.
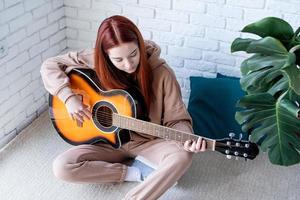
132, 55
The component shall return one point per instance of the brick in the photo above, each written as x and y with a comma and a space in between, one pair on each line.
62, 23
4, 31
219, 58
63, 45
71, 33
51, 52
76, 44
285, 6
147, 35
247, 3
168, 38
9, 79
78, 24
228, 70
17, 62
29, 42
235, 24
86, 35
174, 61
54, 16
71, 12
200, 43
78, 3
4, 95
36, 74
172, 15
15, 37
49, 30
221, 34
215, 1
20, 22
224, 11
57, 3
106, 5
31, 65
37, 94
188, 29
252, 15
9, 3
57, 37
294, 20
200, 65
139, 11
91, 15
189, 5
185, 52
154, 24
31, 4
38, 48
208, 20
11, 53
10, 103
36, 26
42, 11
20, 84
156, 3
1, 7
11, 13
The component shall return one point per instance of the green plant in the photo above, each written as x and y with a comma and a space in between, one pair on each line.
271, 78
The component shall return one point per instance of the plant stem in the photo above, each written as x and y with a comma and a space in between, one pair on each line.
295, 48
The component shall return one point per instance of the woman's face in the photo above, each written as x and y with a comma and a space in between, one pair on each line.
125, 57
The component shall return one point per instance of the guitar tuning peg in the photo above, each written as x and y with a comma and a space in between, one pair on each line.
240, 136
231, 135
228, 156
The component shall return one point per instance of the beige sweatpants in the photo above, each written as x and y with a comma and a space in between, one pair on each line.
102, 163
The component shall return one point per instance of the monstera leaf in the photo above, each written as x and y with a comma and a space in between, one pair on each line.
275, 122
271, 80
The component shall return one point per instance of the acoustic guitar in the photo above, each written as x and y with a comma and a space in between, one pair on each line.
115, 114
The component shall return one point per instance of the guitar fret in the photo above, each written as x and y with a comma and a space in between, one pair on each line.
156, 130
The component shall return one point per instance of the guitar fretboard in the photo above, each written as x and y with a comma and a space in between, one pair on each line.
149, 128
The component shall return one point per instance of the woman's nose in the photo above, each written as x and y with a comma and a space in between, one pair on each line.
128, 64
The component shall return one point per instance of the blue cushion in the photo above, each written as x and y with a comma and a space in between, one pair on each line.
212, 106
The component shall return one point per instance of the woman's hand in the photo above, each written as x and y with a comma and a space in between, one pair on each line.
77, 110
195, 146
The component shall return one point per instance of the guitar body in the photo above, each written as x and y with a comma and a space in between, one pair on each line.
85, 83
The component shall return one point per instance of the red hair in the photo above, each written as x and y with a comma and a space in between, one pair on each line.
112, 32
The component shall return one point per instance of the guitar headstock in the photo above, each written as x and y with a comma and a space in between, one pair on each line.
237, 147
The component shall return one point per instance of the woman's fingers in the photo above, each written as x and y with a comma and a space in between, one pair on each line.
187, 145
195, 146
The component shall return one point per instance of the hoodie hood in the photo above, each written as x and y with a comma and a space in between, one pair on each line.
153, 53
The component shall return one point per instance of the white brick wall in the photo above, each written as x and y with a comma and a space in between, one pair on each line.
30, 32
195, 37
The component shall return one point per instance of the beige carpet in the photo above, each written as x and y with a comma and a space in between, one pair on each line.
25, 174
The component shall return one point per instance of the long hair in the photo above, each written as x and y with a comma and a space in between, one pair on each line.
112, 32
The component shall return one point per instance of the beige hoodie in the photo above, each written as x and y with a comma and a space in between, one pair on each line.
168, 108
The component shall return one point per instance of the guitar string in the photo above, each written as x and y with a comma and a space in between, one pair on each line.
107, 118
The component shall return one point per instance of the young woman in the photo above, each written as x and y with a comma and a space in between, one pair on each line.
121, 59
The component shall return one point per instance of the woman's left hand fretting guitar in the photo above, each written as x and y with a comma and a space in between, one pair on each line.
114, 114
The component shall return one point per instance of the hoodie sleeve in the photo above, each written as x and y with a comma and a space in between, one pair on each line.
54, 71
175, 112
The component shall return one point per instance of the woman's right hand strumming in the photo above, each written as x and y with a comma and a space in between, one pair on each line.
77, 110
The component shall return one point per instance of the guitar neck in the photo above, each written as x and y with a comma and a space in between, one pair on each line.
149, 128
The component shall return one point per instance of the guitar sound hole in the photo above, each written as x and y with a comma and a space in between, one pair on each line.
104, 116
